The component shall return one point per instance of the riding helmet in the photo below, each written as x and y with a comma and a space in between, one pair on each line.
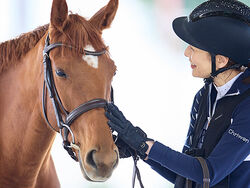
220, 27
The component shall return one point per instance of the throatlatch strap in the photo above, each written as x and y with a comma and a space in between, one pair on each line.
206, 177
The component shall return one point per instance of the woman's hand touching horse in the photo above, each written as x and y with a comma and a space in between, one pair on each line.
134, 137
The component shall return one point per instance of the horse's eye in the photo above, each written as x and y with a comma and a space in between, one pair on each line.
61, 73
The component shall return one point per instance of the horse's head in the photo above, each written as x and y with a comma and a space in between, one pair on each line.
80, 77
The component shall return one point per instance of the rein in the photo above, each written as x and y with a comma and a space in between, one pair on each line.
136, 172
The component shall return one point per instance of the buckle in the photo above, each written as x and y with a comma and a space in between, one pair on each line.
195, 152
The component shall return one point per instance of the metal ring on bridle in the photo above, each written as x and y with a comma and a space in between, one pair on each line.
69, 129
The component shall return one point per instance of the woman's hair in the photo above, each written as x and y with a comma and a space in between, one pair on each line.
247, 80
231, 63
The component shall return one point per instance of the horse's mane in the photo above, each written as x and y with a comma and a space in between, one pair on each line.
13, 50
76, 32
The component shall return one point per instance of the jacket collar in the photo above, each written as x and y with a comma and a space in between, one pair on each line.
238, 86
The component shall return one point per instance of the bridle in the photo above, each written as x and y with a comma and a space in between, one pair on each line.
69, 117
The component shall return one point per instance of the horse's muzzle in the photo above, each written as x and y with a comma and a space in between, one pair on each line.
97, 166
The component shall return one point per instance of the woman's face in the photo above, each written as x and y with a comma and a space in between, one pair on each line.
200, 61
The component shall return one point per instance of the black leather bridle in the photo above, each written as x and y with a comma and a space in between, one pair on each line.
69, 117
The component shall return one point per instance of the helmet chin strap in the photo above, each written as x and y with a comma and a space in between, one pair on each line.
215, 72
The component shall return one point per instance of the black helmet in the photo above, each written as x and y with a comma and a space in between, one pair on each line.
220, 27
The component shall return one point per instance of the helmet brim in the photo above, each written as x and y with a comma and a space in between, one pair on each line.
180, 27
217, 35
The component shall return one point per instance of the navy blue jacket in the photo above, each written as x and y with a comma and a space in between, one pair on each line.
229, 157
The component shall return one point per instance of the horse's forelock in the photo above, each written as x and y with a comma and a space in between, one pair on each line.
78, 32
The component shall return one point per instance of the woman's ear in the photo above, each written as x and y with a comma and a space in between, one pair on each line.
59, 13
221, 61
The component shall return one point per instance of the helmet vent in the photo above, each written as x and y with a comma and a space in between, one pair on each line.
227, 8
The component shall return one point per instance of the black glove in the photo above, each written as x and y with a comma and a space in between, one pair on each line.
133, 136
124, 150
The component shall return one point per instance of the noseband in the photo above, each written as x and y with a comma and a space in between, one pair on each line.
64, 124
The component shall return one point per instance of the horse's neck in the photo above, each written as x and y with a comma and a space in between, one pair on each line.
25, 138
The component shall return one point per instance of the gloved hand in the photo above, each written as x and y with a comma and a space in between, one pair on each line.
134, 137
124, 150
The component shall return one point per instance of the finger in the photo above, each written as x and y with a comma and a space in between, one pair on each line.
117, 128
113, 119
121, 143
116, 112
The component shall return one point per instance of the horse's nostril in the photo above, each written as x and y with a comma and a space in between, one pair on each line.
90, 159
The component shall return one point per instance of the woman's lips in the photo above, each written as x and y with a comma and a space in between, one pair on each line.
193, 66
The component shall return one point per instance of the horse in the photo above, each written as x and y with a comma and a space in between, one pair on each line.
57, 78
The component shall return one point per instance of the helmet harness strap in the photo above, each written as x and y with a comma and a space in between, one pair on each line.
215, 73
213, 68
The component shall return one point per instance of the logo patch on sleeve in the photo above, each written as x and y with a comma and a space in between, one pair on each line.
237, 135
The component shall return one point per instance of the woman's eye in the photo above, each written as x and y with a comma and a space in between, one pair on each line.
61, 73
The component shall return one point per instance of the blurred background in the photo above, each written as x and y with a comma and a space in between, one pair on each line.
153, 85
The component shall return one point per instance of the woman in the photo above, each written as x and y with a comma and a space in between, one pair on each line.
217, 147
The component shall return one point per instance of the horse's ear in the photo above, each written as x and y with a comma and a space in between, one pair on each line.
104, 17
59, 13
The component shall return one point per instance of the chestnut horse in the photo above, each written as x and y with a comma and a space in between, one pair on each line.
78, 74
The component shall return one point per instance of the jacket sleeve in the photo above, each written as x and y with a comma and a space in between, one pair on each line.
164, 172
228, 154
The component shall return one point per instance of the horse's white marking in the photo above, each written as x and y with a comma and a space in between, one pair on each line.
90, 59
